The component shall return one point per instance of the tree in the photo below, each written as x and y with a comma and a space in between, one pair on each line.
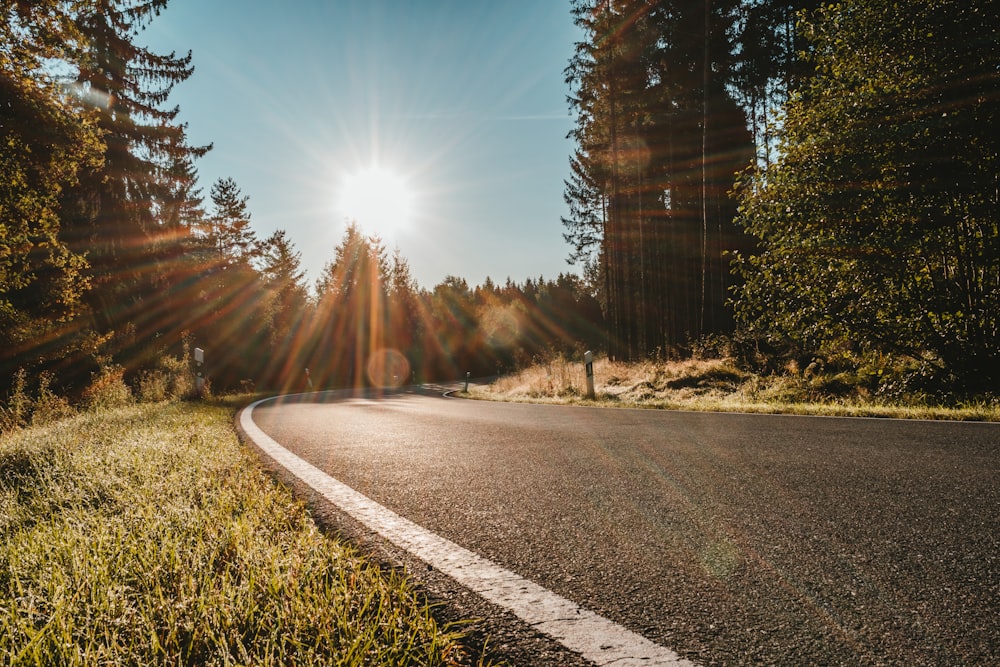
606, 193
458, 345
284, 303
229, 230
351, 310
44, 146
182, 211
281, 265
587, 203
407, 326
879, 225
769, 65
659, 140
116, 213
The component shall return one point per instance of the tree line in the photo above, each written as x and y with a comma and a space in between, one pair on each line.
672, 100
812, 179
112, 257
373, 325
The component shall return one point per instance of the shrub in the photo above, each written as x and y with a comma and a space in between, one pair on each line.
153, 386
48, 406
17, 411
178, 375
107, 390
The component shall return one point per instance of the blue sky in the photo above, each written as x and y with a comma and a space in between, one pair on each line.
463, 99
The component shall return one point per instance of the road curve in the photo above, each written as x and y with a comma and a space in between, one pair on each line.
730, 539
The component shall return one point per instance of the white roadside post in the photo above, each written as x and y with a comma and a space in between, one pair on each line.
199, 378
468, 374
588, 360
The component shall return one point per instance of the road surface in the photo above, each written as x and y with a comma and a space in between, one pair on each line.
729, 539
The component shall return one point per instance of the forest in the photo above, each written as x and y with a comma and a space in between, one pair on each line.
818, 182
799, 179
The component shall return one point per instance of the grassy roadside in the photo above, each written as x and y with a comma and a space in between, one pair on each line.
147, 535
715, 385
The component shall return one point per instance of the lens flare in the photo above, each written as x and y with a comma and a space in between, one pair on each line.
388, 368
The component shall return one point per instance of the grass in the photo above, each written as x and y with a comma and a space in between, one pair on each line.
716, 385
146, 534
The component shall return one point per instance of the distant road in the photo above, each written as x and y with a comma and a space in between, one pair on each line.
731, 539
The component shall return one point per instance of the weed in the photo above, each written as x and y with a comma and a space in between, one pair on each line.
171, 379
153, 386
107, 388
17, 412
48, 406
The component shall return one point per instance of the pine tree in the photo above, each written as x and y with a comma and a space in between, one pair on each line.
769, 46
282, 275
351, 309
407, 329
659, 141
604, 193
229, 225
116, 214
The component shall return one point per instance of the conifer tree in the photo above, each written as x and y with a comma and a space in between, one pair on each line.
229, 225
659, 140
407, 328
280, 267
117, 213
351, 309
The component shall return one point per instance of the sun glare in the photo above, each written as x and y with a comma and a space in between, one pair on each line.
380, 200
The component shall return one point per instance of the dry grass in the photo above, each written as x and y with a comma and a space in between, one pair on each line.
712, 385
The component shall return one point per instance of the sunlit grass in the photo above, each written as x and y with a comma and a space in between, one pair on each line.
148, 535
708, 385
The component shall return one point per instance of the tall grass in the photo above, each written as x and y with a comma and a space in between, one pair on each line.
722, 385
145, 535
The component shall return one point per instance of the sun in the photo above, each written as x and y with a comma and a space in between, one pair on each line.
379, 199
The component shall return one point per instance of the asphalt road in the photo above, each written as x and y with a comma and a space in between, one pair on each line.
731, 539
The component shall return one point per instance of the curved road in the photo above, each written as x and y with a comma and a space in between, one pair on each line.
731, 539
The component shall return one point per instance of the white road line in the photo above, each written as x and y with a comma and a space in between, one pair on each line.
596, 638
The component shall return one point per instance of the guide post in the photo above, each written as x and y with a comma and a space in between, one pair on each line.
588, 360
199, 376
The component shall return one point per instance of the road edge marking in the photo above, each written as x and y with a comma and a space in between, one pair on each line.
580, 630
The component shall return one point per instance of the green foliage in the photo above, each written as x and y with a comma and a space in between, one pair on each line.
878, 226
44, 146
92, 179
